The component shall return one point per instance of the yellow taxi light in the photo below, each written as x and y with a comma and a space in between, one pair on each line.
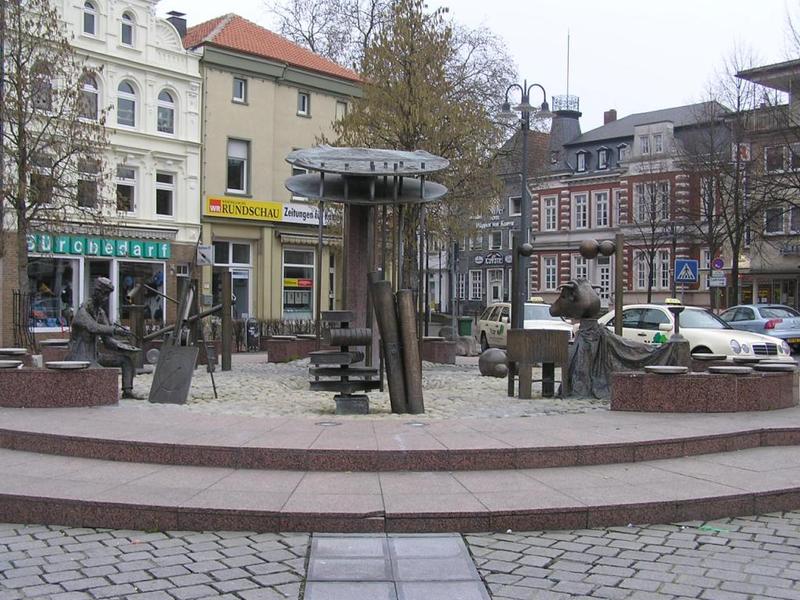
537, 300
671, 301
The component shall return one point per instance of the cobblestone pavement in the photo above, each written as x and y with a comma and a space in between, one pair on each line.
729, 559
57, 563
257, 388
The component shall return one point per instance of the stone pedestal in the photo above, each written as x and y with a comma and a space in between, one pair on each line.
352, 404
439, 350
49, 388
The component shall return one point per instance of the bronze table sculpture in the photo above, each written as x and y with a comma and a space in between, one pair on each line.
90, 326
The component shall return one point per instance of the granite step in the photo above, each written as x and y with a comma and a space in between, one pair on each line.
47, 489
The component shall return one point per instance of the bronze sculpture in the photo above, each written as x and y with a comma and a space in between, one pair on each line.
90, 325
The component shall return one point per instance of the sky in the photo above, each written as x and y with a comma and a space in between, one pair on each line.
629, 55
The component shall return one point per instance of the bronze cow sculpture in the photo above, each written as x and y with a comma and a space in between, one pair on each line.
578, 300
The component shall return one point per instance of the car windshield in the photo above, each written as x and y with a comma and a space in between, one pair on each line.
701, 319
539, 312
777, 312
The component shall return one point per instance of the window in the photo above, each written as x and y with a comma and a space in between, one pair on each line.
580, 215
341, 110
794, 219
54, 284
233, 257
514, 206
652, 318
42, 82
774, 158
126, 105
476, 242
664, 271
604, 277
554, 157
622, 152
601, 209
652, 201
658, 143
580, 268
641, 270
773, 221
89, 97
550, 273
496, 240
581, 162
299, 171
663, 200
89, 18
88, 171
644, 144
126, 189
551, 213
512, 238
794, 157
298, 283
462, 286
304, 104
240, 90
602, 158
166, 112
238, 159
165, 194
41, 180
475, 285
617, 205
126, 30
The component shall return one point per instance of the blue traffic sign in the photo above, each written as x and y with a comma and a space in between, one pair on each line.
686, 270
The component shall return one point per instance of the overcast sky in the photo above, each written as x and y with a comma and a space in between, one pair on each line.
631, 55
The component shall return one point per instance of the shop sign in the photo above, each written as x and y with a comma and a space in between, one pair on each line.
259, 210
293, 282
493, 258
94, 246
497, 223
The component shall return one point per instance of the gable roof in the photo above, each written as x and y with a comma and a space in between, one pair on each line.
679, 116
236, 33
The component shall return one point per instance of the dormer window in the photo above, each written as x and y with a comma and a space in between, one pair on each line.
126, 31
602, 158
622, 152
89, 18
581, 161
658, 143
644, 144
554, 157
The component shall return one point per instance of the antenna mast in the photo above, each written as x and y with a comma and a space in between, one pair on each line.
567, 62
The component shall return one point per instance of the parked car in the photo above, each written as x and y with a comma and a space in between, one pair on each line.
706, 332
776, 320
495, 321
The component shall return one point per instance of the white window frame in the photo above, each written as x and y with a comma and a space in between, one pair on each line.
781, 220
127, 21
640, 268
602, 209
602, 158
462, 286
89, 10
644, 144
580, 210
658, 143
239, 90
168, 187
90, 88
475, 284
783, 159
341, 110
166, 105
89, 175
303, 103
496, 240
550, 216
511, 209
129, 182
622, 152
245, 144
580, 162
130, 97
663, 202
549, 281
580, 267
664, 272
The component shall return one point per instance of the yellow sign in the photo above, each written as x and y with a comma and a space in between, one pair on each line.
243, 208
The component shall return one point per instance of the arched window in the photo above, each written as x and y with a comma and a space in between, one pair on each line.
42, 86
89, 18
166, 112
126, 32
89, 97
126, 105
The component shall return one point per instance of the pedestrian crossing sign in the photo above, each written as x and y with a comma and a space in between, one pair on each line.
686, 270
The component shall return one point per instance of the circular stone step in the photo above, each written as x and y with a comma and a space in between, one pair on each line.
730, 370
708, 356
13, 351
10, 364
55, 342
66, 365
666, 369
747, 360
776, 367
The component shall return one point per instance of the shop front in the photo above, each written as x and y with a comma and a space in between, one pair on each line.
62, 269
766, 288
270, 251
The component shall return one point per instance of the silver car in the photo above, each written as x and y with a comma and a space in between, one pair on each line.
776, 320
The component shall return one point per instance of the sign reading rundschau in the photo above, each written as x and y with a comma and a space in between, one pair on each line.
259, 210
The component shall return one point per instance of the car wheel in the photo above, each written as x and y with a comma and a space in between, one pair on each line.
702, 350
484, 343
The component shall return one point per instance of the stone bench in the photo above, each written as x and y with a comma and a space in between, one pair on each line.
438, 350
50, 388
703, 392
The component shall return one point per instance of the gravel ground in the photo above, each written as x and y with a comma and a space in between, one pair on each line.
258, 388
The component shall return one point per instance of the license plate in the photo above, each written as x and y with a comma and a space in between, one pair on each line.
793, 340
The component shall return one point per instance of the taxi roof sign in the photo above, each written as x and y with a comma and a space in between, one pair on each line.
671, 301
536, 300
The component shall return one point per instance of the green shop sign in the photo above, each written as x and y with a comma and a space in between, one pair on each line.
94, 246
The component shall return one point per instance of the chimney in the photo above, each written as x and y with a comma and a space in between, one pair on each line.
609, 116
178, 19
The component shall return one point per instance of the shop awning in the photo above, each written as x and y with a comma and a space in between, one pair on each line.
308, 240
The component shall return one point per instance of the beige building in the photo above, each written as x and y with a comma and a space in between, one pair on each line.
264, 97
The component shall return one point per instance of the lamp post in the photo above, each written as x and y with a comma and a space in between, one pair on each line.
520, 259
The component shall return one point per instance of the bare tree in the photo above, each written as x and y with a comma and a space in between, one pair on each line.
54, 136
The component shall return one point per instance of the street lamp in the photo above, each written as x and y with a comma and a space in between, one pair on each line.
520, 258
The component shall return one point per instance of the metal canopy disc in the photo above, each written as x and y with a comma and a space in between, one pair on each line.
366, 161
358, 189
